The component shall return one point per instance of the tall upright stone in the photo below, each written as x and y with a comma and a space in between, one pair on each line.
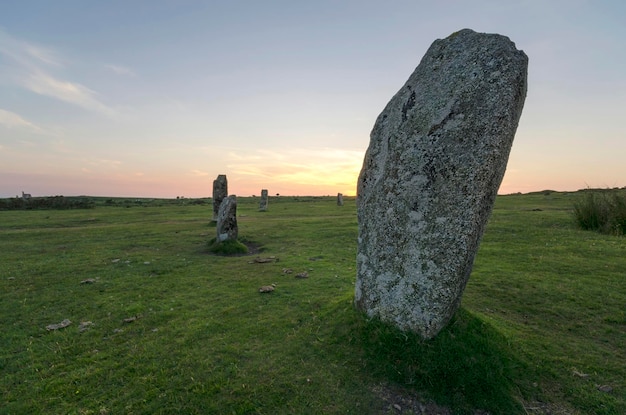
264, 200
435, 161
227, 229
220, 191
339, 199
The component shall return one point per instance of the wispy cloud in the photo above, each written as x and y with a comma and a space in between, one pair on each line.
199, 173
74, 93
12, 120
30, 69
121, 70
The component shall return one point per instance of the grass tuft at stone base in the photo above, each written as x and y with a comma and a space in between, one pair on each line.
227, 247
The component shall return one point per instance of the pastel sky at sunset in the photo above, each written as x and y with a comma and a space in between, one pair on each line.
156, 98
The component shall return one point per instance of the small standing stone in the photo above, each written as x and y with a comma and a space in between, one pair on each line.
264, 200
435, 161
227, 220
339, 199
220, 191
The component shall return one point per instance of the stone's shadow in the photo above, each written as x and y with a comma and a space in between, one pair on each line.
468, 366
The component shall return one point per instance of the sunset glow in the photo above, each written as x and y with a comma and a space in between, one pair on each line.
117, 99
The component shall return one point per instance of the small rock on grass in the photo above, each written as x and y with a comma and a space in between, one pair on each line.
131, 319
84, 325
88, 281
267, 288
259, 260
302, 274
60, 325
605, 388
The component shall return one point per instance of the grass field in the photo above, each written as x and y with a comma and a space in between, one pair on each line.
174, 329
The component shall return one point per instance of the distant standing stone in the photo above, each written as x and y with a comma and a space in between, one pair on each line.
264, 200
220, 191
227, 220
339, 199
435, 161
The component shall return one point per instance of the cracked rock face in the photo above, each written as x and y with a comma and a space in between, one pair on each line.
227, 229
435, 161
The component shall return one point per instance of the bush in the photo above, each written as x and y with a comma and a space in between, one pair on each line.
604, 212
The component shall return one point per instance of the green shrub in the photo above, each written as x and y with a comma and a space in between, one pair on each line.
603, 211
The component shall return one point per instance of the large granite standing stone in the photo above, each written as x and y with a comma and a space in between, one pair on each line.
227, 229
220, 191
264, 200
435, 161
339, 199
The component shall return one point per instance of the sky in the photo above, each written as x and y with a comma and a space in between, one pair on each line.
156, 98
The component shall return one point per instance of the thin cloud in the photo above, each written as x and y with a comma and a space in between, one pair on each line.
12, 120
199, 173
121, 70
29, 69
74, 93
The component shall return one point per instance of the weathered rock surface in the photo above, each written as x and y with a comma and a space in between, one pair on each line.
264, 200
220, 191
339, 199
227, 229
435, 161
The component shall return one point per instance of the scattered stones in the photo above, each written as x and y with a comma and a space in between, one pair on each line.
60, 325
10, 278
227, 229
115, 260
580, 374
220, 191
264, 201
88, 281
436, 157
287, 270
605, 388
302, 274
131, 319
267, 288
260, 260
84, 325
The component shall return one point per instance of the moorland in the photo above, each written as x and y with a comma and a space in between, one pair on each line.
159, 325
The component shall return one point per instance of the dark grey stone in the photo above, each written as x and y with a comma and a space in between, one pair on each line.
220, 191
264, 200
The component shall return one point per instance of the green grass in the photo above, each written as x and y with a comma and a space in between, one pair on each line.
228, 247
544, 305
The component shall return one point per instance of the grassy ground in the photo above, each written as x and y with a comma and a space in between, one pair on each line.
177, 330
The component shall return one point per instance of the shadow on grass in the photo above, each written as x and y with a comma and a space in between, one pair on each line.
468, 366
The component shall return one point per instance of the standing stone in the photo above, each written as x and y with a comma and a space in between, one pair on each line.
435, 161
264, 201
227, 229
339, 199
220, 191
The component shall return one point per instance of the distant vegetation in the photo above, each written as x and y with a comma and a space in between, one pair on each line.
88, 202
602, 210
51, 202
